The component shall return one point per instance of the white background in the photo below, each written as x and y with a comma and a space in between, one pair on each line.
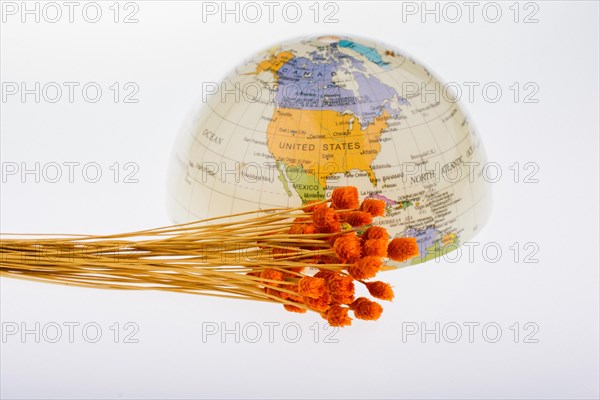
169, 53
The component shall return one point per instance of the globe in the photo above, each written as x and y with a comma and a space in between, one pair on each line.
309, 115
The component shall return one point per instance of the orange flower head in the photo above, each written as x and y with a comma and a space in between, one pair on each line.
309, 286
295, 229
338, 316
333, 227
380, 290
374, 207
366, 309
341, 288
375, 247
358, 218
273, 292
294, 296
308, 229
365, 268
345, 198
402, 249
271, 274
292, 308
376, 232
309, 206
325, 217
357, 302
321, 304
319, 213
325, 274
347, 247
301, 229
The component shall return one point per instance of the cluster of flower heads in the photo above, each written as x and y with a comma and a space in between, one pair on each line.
355, 252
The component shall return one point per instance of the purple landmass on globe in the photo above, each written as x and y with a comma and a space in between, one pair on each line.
309, 84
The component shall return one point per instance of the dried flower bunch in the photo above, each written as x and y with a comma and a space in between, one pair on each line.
308, 258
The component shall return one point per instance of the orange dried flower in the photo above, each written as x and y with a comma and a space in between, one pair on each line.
365, 268
333, 227
376, 232
357, 302
366, 309
292, 308
295, 296
309, 206
358, 218
321, 304
309, 286
347, 247
271, 291
326, 218
338, 316
374, 207
402, 249
274, 275
325, 274
295, 229
380, 290
341, 288
307, 229
271, 274
345, 198
375, 247
301, 229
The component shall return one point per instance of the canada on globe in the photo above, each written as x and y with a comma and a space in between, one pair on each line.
309, 115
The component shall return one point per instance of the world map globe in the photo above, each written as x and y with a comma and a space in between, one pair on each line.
309, 115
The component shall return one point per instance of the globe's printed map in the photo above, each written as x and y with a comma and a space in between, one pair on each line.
308, 116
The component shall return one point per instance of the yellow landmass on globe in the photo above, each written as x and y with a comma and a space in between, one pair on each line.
315, 144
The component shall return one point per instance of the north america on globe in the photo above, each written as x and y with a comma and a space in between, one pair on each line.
309, 115
330, 94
